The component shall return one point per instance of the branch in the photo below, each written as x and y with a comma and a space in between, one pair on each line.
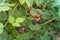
11, 14
48, 22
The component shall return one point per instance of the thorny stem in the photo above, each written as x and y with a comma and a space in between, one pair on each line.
11, 14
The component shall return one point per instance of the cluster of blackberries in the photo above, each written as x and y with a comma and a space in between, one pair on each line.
36, 22
22, 29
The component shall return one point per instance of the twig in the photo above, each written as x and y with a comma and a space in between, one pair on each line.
48, 22
14, 9
11, 14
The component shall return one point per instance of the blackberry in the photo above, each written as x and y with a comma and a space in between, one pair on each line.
26, 30
39, 22
34, 22
18, 28
20, 31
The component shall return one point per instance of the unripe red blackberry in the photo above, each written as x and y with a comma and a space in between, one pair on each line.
37, 16
52, 33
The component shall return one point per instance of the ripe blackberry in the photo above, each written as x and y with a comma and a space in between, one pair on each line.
20, 31
39, 22
26, 30
18, 28
34, 22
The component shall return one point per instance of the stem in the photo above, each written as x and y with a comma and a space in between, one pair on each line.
48, 22
11, 14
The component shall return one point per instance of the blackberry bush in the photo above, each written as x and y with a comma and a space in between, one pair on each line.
29, 19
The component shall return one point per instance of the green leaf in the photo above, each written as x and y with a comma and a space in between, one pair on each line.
30, 18
10, 37
3, 16
4, 7
56, 3
4, 35
33, 12
25, 5
11, 19
19, 20
24, 36
58, 15
20, 12
22, 1
29, 2
55, 37
1, 1
45, 37
19, 37
27, 35
1, 28
35, 27
46, 33
38, 38
38, 2
1, 25
11, 5
46, 15
14, 32
39, 11
15, 24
